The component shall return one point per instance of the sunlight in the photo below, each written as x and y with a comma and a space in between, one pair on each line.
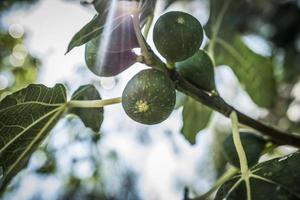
106, 34
118, 13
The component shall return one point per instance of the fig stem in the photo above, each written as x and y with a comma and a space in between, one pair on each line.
94, 103
218, 104
170, 65
148, 26
245, 173
238, 144
140, 37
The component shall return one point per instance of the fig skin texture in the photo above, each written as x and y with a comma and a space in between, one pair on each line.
149, 97
110, 63
177, 36
199, 70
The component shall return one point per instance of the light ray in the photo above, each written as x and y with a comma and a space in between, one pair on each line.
118, 12
106, 35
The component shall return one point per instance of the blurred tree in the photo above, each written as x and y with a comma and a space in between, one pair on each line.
17, 66
6, 5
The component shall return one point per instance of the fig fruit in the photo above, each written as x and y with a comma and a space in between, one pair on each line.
149, 97
199, 70
177, 36
253, 146
122, 36
107, 64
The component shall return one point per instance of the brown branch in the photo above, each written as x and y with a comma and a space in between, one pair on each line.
217, 103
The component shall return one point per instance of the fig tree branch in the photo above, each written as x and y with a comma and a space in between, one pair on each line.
215, 102
218, 104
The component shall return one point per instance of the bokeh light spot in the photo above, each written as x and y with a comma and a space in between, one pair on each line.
16, 30
20, 52
3, 82
293, 112
108, 83
16, 62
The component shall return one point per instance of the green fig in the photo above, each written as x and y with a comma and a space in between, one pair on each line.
149, 97
253, 146
107, 64
177, 36
199, 70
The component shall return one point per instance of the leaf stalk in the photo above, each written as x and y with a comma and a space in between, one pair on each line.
94, 103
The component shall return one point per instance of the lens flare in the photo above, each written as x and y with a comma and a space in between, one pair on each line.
116, 30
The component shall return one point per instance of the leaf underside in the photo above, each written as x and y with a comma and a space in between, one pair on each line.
254, 71
90, 31
253, 147
91, 117
195, 118
277, 179
26, 118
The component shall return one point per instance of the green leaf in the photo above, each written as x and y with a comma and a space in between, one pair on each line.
254, 71
227, 47
195, 118
26, 118
101, 6
226, 17
91, 30
91, 117
253, 146
276, 179
118, 29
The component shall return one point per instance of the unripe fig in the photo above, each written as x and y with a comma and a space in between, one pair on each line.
149, 97
199, 70
109, 63
252, 144
122, 37
177, 36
